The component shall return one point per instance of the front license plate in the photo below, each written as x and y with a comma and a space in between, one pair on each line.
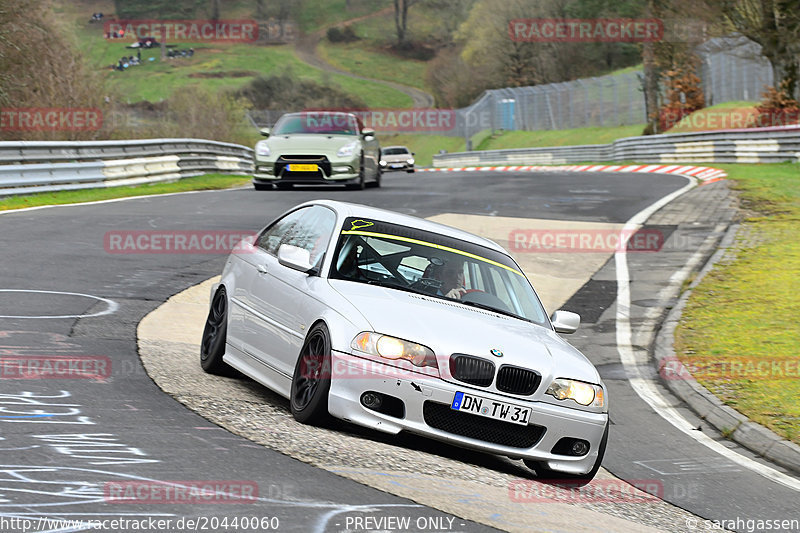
396, 165
300, 167
506, 412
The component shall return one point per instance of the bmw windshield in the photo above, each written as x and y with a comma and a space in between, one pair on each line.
418, 261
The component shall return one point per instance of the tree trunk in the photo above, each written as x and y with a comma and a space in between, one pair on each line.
650, 79
650, 87
214, 9
399, 24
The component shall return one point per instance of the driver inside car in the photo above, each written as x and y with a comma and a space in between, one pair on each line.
452, 277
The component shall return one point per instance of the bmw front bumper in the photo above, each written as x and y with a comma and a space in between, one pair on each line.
427, 400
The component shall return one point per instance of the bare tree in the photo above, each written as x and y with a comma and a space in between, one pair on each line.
775, 25
401, 18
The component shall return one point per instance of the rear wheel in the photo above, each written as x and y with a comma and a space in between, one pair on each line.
262, 186
543, 472
312, 378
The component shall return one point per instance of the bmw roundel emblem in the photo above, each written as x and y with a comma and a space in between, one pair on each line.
495, 352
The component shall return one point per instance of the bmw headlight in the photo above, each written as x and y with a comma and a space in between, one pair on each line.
262, 148
582, 393
383, 163
410, 161
393, 348
348, 149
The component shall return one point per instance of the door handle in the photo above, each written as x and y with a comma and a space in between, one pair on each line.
262, 269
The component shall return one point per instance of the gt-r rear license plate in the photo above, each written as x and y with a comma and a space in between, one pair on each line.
507, 412
302, 167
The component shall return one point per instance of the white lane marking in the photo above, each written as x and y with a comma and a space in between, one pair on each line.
114, 200
112, 305
646, 387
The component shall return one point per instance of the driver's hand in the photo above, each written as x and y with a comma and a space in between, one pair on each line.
456, 293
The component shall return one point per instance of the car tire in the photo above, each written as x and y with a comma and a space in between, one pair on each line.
212, 346
410, 171
262, 186
378, 175
542, 472
312, 378
361, 185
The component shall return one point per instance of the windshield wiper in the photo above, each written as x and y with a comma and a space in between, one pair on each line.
493, 309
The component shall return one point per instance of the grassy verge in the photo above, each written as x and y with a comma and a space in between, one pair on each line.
199, 183
545, 138
424, 146
739, 329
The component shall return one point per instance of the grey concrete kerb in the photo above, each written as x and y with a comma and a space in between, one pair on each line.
729, 422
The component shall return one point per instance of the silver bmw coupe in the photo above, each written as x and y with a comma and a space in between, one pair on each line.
401, 324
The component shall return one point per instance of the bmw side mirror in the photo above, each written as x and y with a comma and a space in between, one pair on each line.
264, 132
295, 257
565, 322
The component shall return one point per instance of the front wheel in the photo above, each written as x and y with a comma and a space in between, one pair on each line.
212, 347
378, 174
361, 176
543, 472
312, 378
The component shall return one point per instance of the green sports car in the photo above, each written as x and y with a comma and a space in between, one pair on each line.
317, 147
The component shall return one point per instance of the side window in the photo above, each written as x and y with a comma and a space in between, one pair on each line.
316, 229
275, 235
309, 228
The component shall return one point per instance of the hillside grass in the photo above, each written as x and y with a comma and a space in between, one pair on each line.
218, 66
359, 59
373, 56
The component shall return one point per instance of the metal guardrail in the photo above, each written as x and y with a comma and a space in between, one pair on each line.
761, 145
27, 167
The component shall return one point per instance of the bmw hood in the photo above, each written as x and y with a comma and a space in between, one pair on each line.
448, 327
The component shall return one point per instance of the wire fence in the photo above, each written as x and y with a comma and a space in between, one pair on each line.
731, 69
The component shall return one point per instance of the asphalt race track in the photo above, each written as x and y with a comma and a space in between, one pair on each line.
68, 444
